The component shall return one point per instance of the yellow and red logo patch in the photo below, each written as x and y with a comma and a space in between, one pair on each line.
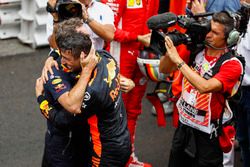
44, 107
59, 87
56, 81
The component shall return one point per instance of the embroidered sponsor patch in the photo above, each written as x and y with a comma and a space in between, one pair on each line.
44, 105
56, 81
59, 87
134, 4
87, 96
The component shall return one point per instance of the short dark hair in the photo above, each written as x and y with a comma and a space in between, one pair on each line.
71, 23
67, 38
225, 19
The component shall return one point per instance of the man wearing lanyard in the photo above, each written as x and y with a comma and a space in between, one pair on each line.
202, 101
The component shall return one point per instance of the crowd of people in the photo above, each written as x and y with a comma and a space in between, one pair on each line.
91, 87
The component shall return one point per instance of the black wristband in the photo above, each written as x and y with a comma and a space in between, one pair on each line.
55, 21
54, 54
40, 99
50, 9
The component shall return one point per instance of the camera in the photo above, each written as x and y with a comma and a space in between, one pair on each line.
193, 37
196, 28
67, 9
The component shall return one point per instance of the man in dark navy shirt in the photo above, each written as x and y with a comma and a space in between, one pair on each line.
95, 95
67, 136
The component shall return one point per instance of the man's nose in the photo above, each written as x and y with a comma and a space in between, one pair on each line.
63, 61
208, 34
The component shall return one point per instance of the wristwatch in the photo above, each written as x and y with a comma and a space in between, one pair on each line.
180, 65
50, 9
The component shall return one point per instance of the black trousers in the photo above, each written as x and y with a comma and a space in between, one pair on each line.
194, 148
64, 151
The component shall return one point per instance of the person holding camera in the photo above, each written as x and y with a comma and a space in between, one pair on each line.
217, 6
203, 6
98, 20
196, 141
88, 86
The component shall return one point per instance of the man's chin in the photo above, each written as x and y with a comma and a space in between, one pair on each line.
76, 70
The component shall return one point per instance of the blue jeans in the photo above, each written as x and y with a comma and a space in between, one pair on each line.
243, 125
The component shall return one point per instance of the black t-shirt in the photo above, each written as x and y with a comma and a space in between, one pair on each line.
106, 112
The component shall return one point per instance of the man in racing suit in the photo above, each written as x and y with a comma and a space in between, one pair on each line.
130, 22
196, 141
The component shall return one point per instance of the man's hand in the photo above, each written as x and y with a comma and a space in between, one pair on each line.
49, 63
39, 87
88, 62
198, 7
144, 39
85, 14
126, 84
72, 100
172, 51
52, 3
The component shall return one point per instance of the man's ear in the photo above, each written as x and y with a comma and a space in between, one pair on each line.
85, 54
68, 51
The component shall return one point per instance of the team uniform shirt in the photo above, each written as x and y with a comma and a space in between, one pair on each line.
200, 110
107, 116
104, 108
60, 82
67, 137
